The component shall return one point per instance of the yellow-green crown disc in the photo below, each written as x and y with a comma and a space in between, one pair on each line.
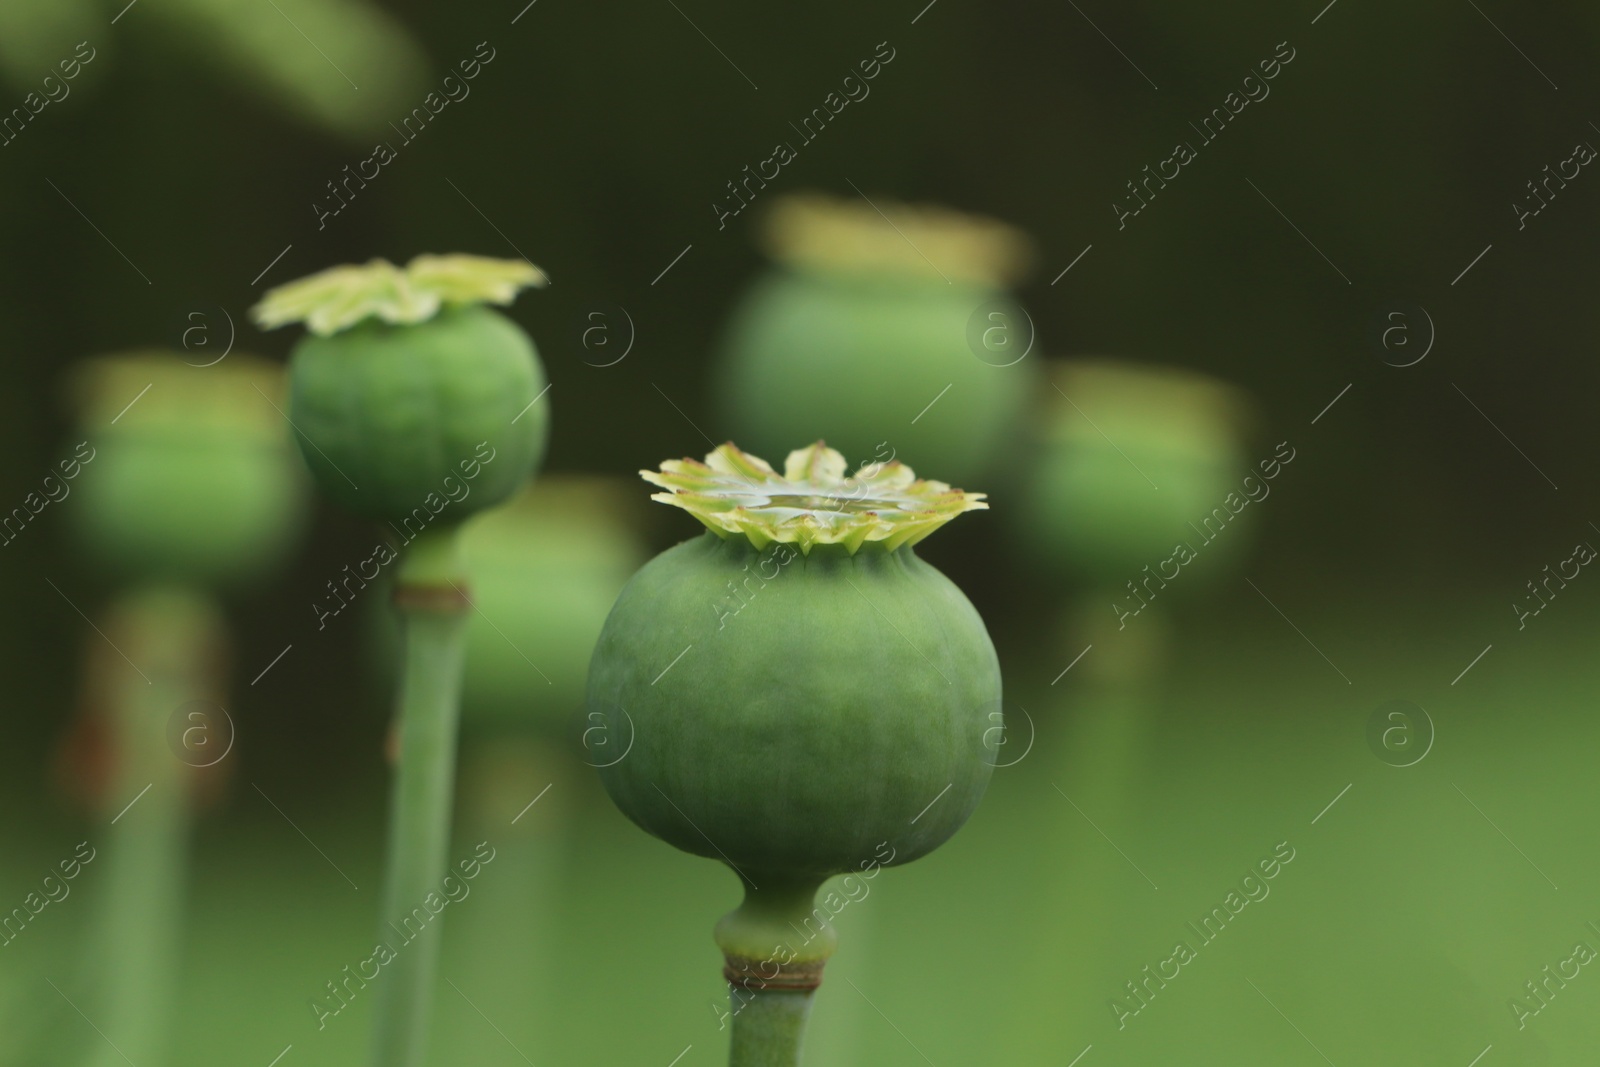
823, 233
813, 502
154, 390
339, 297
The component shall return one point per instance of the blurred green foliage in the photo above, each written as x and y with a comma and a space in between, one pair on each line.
259, 48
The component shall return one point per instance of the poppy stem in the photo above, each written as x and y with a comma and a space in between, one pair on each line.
768, 1027
514, 921
174, 635
774, 947
430, 595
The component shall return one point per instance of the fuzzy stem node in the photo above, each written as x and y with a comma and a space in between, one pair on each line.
774, 945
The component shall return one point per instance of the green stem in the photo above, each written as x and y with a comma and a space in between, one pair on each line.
172, 634
775, 945
430, 597
513, 923
1100, 763
768, 1026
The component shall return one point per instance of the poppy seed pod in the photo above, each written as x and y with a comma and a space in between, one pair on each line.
805, 696
905, 305
1101, 510
186, 473
408, 393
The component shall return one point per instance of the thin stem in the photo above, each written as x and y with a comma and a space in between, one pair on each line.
1099, 769
511, 927
174, 635
768, 1026
433, 611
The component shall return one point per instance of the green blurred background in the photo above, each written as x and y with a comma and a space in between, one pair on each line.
191, 149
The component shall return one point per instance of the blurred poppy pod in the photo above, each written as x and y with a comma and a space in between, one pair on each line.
907, 307
799, 686
545, 570
1132, 460
408, 395
186, 473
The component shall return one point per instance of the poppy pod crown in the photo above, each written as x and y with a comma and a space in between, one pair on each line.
814, 231
814, 501
339, 297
